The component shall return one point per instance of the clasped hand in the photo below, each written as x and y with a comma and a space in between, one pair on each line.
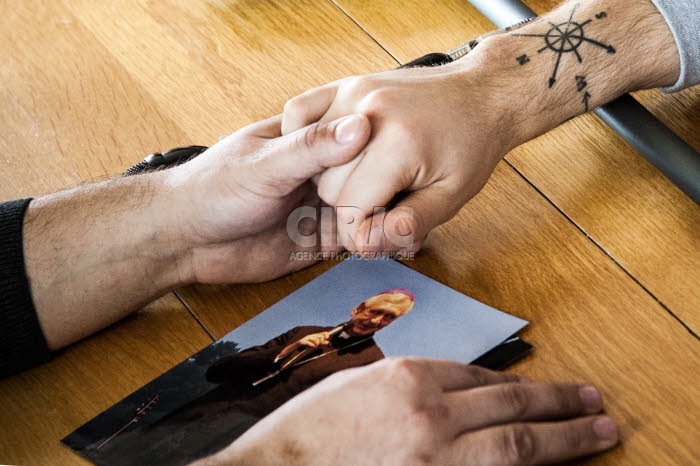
236, 198
431, 140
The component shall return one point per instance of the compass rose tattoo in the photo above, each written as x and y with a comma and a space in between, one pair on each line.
563, 38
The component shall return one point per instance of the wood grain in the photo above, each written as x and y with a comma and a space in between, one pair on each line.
88, 89
616, 197
217, 65
511, 249
71, 113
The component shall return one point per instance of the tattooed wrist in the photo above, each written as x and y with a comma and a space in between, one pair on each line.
579, 56
567, 41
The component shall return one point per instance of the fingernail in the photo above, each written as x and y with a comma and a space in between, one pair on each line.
404, 226
605, 428
348, 129
591, 398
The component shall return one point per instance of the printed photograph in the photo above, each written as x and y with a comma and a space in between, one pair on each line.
356, 313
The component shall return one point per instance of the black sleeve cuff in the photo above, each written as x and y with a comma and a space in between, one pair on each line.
22, 344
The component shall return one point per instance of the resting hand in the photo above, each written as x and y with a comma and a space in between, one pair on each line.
421, 411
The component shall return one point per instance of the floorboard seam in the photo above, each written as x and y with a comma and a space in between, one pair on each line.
362, 28
605, 251
189, 309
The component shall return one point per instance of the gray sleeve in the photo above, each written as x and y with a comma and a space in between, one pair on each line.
683, 17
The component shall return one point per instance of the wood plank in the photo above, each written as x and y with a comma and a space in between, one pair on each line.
625, 204
43, 405
132, 76
217, 65
71, 112
639, 217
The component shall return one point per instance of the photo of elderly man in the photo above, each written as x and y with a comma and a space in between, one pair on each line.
256, 381
304, 355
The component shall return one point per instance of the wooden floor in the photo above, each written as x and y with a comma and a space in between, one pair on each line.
575, 231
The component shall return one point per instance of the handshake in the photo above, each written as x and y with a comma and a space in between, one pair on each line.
368, 164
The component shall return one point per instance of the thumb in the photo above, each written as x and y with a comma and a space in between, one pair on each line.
295, 158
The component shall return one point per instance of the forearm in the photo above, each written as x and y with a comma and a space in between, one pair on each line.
573, 59
95, 253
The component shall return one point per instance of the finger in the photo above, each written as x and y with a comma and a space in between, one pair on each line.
308, 107
393, 231
318, 340
268, 129
406, 225
291, 160
419, 213
536, 443
513, 402
373, 182
378, 233
331, 182
362, 192
286, 351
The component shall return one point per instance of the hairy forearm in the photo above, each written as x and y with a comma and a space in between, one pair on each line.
577, 57
97, 252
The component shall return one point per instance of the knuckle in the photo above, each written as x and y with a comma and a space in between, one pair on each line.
376, 102
477, 374
427, 430
572, 439
404, 371
356, 86
421, 421
518, 444
427, 416
294, 106
311, 136
567, 400
516, 399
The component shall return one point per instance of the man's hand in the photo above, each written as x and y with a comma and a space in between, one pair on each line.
97, 252
238, 195
425, 142
422, 411
439, 132
310, 341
